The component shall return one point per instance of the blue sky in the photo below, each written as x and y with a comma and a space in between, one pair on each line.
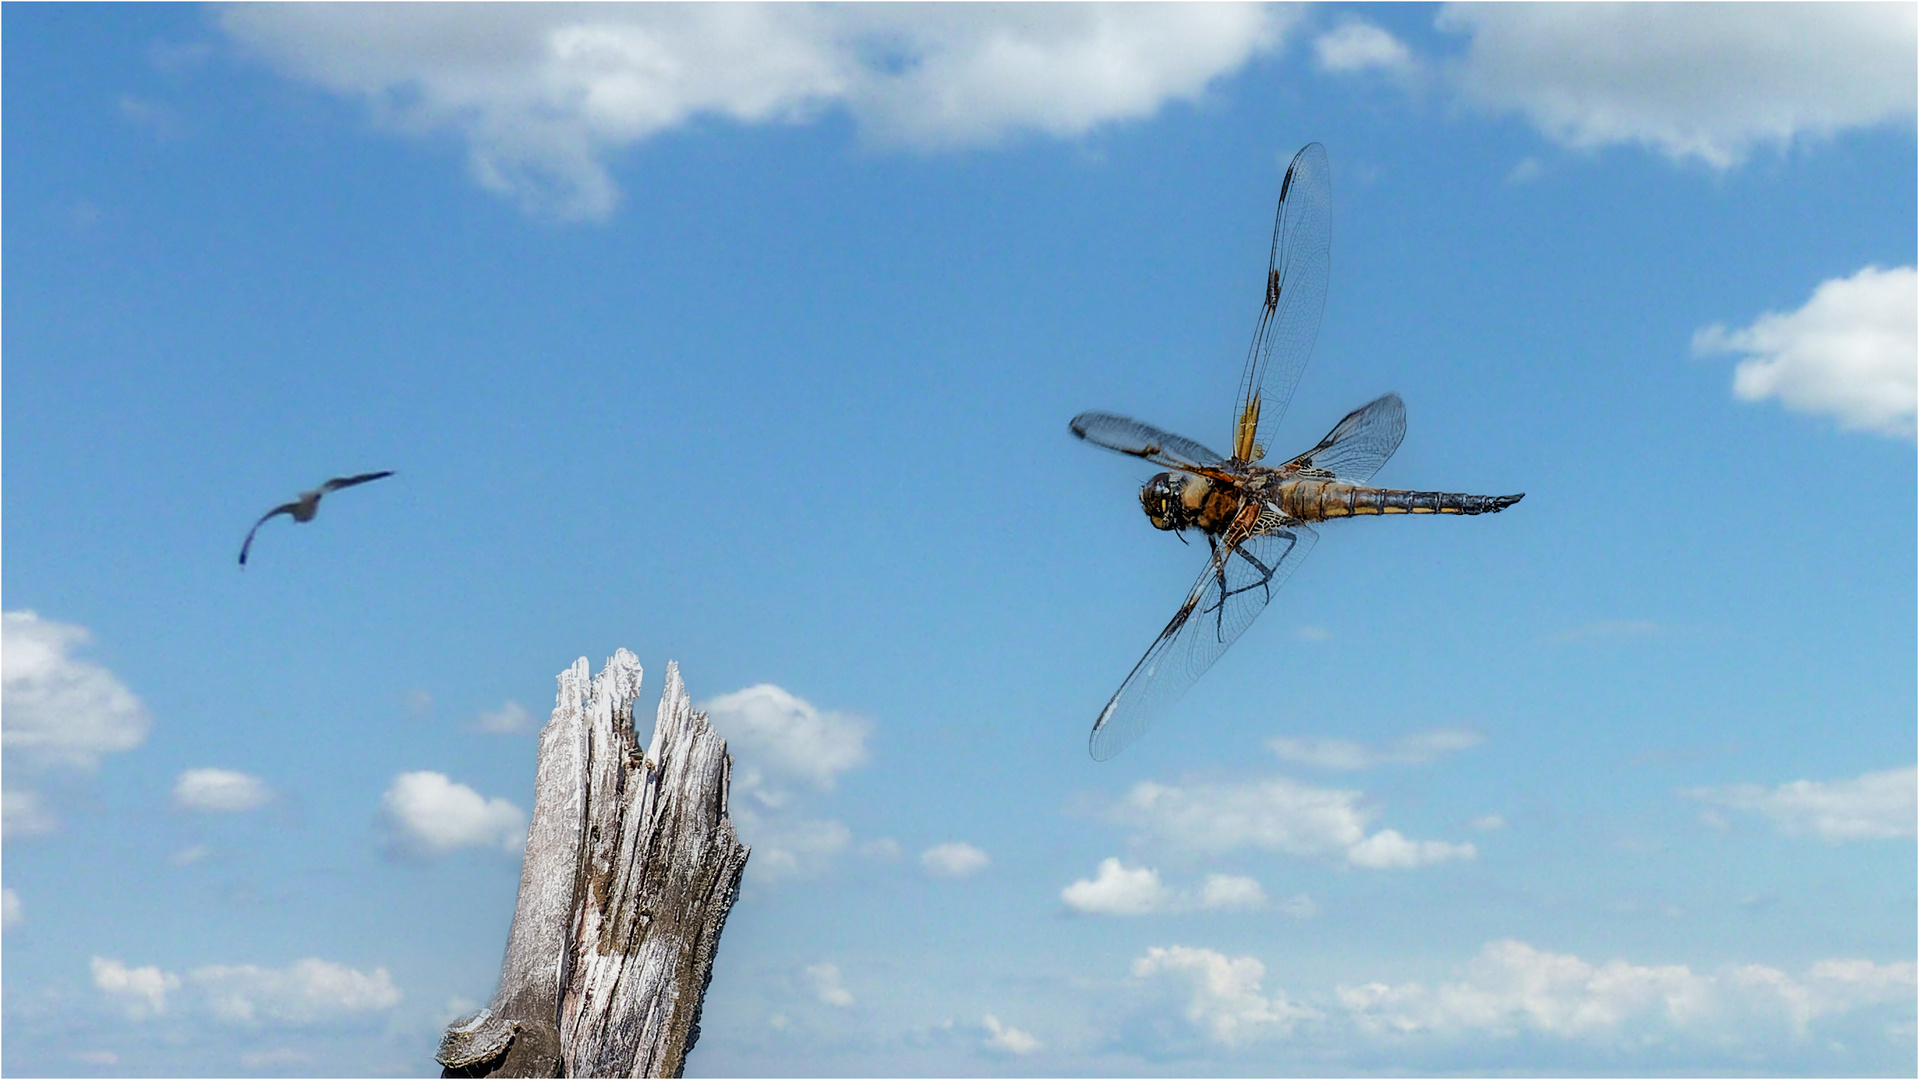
748, 337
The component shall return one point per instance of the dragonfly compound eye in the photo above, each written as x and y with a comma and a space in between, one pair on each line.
1161, 498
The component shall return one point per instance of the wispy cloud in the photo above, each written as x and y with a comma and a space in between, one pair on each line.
1512, 987
1008, 1039
543, 94
1705, 82
1276, 815
1873, 806
953, 860
511, 718
306, 992
220, 791
827, 985
1356, 45
1345, 754
1851, 352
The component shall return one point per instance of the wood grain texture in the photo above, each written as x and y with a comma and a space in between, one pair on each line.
632, 865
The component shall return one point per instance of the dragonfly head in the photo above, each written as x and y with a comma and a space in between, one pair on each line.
1170, 500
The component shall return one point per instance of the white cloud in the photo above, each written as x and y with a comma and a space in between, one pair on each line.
1703, 81
1346, 754
1228, 892
220, 791
1387, 850
1488, 823
428, 814
1223, 996
1357, 46
61, 711
97, 1057
12, 912
787, 847
953, 860
1873, 806
141, 991
510, 718
1117, 890
305, 992
825, 980
1275, 815
22, 814
543, 94
1512, 987
1851, 352
1009, 1040
776, 736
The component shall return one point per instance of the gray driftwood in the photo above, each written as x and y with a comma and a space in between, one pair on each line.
631, 867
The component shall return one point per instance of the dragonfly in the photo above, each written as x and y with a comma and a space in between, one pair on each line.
1258, 520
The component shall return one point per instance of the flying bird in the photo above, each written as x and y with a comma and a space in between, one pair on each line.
307, 505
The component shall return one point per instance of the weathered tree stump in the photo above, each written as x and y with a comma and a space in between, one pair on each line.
631, 867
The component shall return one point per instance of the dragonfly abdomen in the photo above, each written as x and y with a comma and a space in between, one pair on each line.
1322, 500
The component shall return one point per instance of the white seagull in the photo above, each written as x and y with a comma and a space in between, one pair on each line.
307, 505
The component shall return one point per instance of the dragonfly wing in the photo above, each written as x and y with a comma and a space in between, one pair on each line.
1296, 274
1129, 436
1358, 445
1235, 587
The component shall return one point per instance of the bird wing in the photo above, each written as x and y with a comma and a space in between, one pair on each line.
283, 508
339, 482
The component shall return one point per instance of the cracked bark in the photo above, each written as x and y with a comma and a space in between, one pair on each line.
631, 867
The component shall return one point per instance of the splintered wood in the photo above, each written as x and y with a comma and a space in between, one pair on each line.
631, 867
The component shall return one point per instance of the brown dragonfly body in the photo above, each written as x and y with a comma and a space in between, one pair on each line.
1258, 520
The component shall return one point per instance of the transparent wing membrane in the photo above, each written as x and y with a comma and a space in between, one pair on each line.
1129, 436
1358, 445
1297, 269
1235, 587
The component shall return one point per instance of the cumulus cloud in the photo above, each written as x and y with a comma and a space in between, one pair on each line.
427, 814
1007, 1039
61, 710
510, 718
220, 791
826, 984
1223, 997
1359, 46
953, 860
1512, 987
1703, 81
779, 737
1851, 352
1116, 889
1873, 806
305, 992
788, 755
543, 94
1275, 815
1346, 754
12, 912
141, 991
